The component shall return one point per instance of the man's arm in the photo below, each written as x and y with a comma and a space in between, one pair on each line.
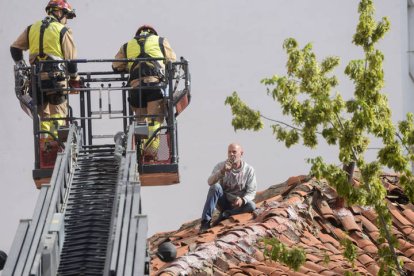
70, 52
16, 53
119, 66
169, 52
251, 187
217, 174
21, 44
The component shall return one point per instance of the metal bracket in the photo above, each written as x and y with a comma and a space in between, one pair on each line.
141, 130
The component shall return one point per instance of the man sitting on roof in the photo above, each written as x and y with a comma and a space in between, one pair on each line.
232, 188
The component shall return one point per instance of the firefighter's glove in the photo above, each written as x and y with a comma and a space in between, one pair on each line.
20, 64
75, 82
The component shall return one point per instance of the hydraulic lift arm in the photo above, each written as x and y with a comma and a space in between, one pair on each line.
88, 218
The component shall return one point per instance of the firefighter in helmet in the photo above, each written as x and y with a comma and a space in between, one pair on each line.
50, 39
147, 103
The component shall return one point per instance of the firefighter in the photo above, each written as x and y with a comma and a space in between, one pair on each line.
50, 39
147, 103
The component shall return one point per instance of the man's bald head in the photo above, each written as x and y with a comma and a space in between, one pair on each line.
235, 152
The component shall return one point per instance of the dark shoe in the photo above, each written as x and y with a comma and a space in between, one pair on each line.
223, 215
205, 225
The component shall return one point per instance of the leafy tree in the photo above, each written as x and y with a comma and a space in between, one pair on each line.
305, 94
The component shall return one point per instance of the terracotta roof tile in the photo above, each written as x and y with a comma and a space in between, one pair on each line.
298, 213
348, 220
404, 245
315, 267
409, 214
291, 272
409, 253
328, 272
259, 256
182, 251
325, 209
285, 240
252, 270
271, 213
272, 224
408, 206
370, 214
333, 249
265, 269
356, 209
374, 235
368, 225
399, 216
368, 246
365, 259
373, 269
166, 274
341, 270
313, 258
243, 217
294, 199
337, 257
409, 265
222, 264
219, 273
340, 234
183, 233
206, 237
328, 239
310, 237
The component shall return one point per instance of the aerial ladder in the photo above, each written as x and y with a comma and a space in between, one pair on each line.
88, 217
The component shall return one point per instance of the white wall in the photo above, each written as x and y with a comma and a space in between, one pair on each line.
231, 45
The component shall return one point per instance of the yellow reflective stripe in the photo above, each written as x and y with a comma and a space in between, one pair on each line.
45, 126
52, 126
58, 116
155, 142
152, 48
51, 39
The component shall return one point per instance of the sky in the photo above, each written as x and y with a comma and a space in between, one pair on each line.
231, 45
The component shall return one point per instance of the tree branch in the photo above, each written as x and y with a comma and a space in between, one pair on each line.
382, 220
402, 142
280, 122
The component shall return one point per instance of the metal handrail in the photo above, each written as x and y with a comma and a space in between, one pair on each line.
50, 203
177, 85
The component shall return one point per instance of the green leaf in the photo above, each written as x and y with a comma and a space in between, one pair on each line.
243, 116
277, 251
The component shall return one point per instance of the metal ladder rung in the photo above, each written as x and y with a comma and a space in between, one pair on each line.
106, 112
102, 136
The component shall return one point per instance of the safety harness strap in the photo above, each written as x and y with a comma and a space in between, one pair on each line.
161, 43
151, 68
141, 40
125, 46
142, 47
45, 24
62, 34
28, 31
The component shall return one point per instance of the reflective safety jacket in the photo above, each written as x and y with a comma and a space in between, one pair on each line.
45, 38
153, 47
